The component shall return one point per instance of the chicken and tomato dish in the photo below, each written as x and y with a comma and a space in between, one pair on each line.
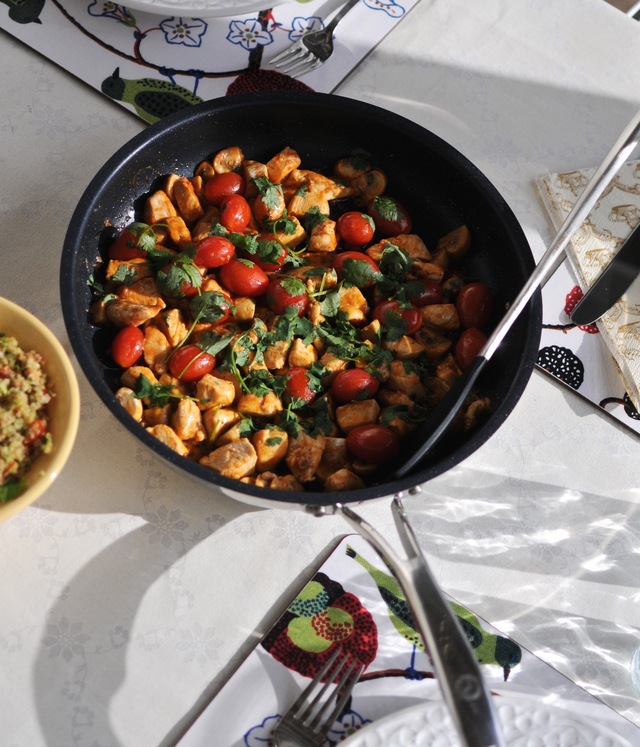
286, 327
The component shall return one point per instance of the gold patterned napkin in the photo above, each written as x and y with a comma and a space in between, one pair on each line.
614, 216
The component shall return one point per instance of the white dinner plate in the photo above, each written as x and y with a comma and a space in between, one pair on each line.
525, 722
202, 8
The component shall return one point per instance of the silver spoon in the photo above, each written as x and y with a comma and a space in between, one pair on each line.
440, 418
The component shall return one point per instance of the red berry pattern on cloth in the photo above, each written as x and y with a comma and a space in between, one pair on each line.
570, 302
254, 81
320, 618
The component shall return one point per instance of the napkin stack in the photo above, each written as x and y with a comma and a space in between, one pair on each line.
592, 247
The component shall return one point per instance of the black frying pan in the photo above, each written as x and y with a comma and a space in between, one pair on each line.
439, 186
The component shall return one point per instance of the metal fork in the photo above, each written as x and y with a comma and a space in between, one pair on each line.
312, 49
311, 717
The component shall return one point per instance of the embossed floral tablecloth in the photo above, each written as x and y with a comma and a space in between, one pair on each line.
154, 64
352, 600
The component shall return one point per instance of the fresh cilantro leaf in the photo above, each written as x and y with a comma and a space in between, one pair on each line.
213, 343
284, 224
181, 271
387, 208
273, 441
293, 286
146, 238
125, 274
359, 273
394, 262
246, 427
322, 422
270, 193
314, 217
210, 306
244, 242
157, 394
330, 305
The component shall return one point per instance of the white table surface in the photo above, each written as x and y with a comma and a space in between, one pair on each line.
129, 593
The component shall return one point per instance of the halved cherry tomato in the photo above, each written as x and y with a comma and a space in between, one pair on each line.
297, 386
127, 346
242, 277
390, 216
469, 344
191, 363
285, 293
392, 314
354, 384
125, 246
235, 213
355, 228
214, 251
373, 443
425, 292
357, 268
220, 186
474, 304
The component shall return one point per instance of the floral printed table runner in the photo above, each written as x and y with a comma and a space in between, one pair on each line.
353, 601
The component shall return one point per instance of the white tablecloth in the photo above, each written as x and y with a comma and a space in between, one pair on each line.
129, 594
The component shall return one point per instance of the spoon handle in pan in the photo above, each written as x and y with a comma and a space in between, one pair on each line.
444, 413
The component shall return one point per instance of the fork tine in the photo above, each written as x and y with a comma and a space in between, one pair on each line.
299, 57
322, 722
303, 66
286, 54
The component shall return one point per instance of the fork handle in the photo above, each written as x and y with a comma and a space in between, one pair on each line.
340, 15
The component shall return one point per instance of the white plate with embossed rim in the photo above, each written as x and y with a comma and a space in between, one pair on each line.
203, 8
526, 722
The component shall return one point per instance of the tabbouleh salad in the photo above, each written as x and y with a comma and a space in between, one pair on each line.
24, 427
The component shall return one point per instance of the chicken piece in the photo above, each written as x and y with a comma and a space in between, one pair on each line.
399, 422
271, 445
130, 376
275, 482
294, 238
314, 313
342, 480
275, 356
233, 434
354, 414
448, 371
282, 164
304, 455
332, 365
131, 403
370, 184
179, 233
457, 242
214, 392
158, 207
410, 243
186, 421
253, 170
371, 332
156, 349
396, 399
441, 316
245, 309
435, 344
353, 305
184, 197
125, 314
269, 204
135, 269
301, 355
424, 270
170, 322
334, 457
157, 415
323, 237
144, 291
205, 223
315, 274
230, 376
252, 405
315, 182
166, 435
404, 378
404, 347
217, 420
235, 460
229, 159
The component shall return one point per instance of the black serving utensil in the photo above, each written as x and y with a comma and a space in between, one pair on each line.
612, 282
441, 417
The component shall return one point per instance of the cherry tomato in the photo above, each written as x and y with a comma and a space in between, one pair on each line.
355, 228
125, 246
235, 213
391, 218
424, 292
243, 278
220, 186
469, 344
354, 384
373, 443
35, 431
214, 251
297, 386
191, 363
127, 346
391, 314
356, 267
286, 292
474, 304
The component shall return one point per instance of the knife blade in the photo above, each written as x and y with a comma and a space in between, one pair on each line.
612, 282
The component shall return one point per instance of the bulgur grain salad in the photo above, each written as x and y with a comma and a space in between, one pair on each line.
24, 426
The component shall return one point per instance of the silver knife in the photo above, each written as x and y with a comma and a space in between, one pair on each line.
612, 282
